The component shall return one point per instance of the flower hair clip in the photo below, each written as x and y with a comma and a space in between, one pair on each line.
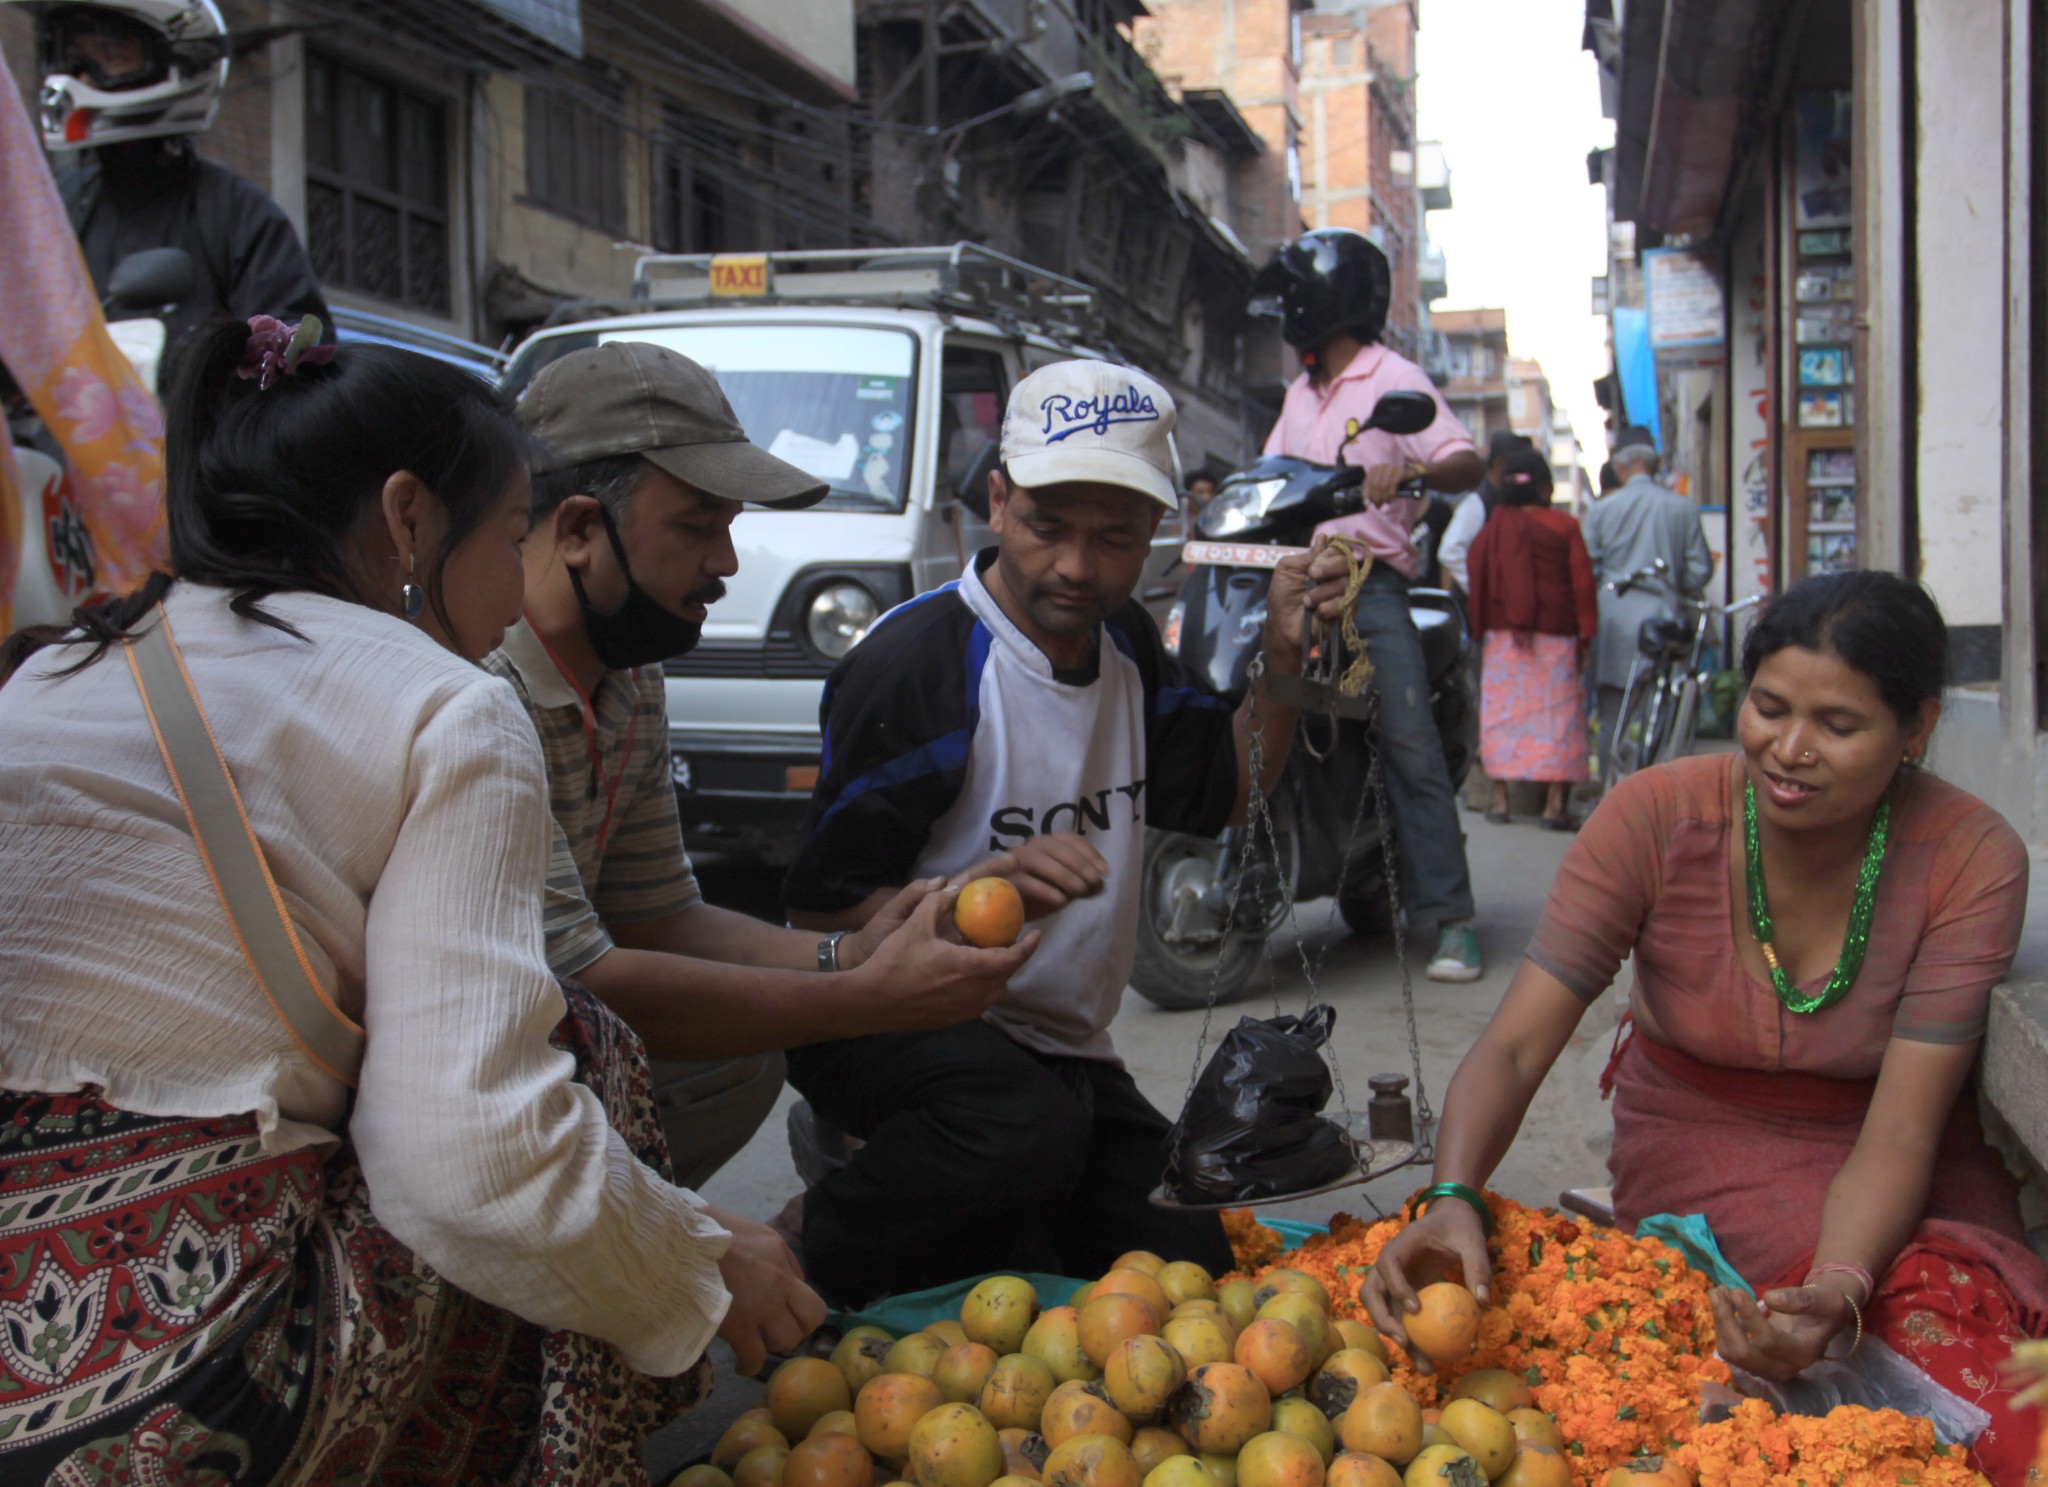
275, 349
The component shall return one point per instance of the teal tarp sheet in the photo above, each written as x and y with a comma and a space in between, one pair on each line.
916, 1310
1294, 1231
1689, 1234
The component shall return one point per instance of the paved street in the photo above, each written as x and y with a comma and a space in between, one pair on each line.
1512, 867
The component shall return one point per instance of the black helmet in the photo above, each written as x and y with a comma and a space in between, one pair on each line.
1329, 282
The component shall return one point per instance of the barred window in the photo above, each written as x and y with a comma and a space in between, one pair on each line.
575, 160
376, 186
704, 200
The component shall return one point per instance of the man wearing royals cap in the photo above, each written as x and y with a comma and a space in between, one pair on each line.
1023, 722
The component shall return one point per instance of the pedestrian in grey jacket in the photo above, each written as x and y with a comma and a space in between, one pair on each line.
1625, 532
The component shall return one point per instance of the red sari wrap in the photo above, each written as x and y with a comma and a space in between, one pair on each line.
1752, 1151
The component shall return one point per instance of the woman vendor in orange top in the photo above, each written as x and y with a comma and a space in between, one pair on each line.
1817, 924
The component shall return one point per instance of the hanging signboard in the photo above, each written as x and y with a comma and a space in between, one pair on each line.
1683, 289
558, 22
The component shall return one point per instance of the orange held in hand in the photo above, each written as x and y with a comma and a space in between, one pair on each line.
990, 913
1448, 1324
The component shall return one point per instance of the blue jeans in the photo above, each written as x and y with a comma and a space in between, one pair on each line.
1436, 885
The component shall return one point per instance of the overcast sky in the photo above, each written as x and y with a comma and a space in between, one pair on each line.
1516, 103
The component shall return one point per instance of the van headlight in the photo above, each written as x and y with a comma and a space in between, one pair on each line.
838, 616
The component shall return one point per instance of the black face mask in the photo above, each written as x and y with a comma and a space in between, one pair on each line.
641, 630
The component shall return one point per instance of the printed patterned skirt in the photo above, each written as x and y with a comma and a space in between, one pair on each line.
176, 1306
1532, 708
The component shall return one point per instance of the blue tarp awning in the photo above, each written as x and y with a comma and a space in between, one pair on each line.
1636, 366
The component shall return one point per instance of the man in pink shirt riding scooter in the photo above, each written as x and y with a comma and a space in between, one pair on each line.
1334, 286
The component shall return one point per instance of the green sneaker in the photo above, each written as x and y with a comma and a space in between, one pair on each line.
1457, 954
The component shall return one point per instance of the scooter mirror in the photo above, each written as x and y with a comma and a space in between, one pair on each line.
1403, 412
151, 279
972, 491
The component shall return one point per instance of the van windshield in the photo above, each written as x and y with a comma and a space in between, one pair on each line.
833, 400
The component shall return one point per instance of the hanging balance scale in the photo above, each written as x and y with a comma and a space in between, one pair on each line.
1334, 682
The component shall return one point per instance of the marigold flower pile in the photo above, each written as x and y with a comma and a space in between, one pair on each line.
1848, 1447
1615, 1335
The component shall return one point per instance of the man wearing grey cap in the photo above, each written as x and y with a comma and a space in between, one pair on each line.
1636, 526
644, 470
1025, 722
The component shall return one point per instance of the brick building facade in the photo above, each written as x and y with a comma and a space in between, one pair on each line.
452, 164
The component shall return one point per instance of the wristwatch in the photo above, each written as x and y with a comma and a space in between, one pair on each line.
828, 950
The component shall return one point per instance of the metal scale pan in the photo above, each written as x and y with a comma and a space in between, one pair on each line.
1375, 1160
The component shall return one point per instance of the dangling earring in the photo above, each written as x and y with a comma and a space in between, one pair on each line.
411, 597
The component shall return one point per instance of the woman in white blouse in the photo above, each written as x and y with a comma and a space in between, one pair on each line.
491, 1277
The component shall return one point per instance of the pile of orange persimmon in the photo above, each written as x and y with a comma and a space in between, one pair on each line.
1154, 1376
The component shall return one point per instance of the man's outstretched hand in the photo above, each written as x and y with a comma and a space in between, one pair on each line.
924, 975
1049, 872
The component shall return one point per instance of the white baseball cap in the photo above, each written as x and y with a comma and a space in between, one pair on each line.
1095, 421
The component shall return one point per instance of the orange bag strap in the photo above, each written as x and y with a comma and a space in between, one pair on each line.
234, 859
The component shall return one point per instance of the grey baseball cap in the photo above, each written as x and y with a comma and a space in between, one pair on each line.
634, 397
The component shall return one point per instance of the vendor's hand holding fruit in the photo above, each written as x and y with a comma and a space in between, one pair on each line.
918, 971
1447, 1235
1312, 580
1049, 871
1792, 1328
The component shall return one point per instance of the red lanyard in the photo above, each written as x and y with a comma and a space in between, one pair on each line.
610, 786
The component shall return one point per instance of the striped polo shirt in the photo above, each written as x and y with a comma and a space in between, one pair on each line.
634, 868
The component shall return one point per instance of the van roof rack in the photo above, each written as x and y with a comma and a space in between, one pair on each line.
964, 278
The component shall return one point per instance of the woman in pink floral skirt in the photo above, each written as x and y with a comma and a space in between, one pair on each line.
1532, 598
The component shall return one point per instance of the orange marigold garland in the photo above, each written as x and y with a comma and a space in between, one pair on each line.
1615, 1336
1848, 1447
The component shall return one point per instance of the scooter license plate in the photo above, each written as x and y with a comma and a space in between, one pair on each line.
1237, 554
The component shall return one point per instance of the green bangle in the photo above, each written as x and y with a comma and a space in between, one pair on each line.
1463, 1194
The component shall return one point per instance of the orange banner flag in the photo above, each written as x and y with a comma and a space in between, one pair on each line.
54, 341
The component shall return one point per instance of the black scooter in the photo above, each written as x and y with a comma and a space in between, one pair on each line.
1199, 925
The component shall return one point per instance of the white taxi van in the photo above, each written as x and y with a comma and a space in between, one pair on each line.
883, 372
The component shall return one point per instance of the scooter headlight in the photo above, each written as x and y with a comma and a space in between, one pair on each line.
1238, 508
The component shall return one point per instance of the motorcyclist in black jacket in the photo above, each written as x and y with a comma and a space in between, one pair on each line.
127, 85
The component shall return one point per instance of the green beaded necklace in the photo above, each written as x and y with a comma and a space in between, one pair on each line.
1854, 943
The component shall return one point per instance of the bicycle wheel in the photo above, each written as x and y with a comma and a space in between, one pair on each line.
1627, 752
1685, 720
1663, 715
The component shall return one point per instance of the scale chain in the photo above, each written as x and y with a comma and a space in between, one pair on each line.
1254, 804
1259, 820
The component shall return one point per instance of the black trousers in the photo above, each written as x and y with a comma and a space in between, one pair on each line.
982, 1155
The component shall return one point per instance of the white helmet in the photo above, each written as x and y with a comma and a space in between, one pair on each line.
129, 69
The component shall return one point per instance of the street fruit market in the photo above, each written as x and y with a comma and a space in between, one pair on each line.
1587, 1372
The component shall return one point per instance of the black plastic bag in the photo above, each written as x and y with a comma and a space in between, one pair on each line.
1253, 1126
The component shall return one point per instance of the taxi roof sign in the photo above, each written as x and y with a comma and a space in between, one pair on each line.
963, 278
741, 275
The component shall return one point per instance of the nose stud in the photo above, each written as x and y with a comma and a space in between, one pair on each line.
1807, 757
